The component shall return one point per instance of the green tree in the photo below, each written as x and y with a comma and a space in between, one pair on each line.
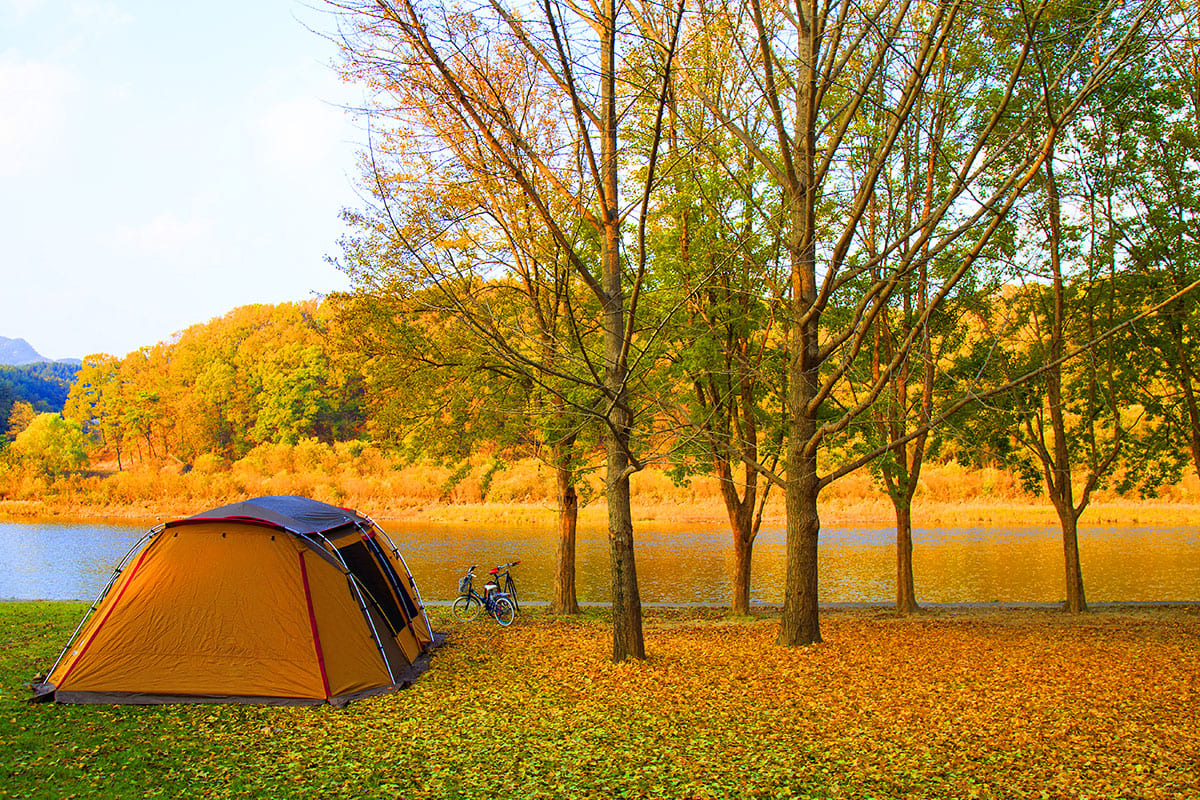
1085, 419
460, 66
814, 65
1154, 138
717, 293
51, 445
913, 375
43, 385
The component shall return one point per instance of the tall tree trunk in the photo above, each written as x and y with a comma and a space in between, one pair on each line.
1076, 602
800, 624
743, 552
1059, 468
626, 602
564, 599
906, 593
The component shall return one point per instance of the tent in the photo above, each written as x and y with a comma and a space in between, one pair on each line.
277, 600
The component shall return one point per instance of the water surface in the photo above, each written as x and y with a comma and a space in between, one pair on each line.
691, 564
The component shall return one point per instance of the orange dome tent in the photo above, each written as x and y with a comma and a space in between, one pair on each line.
277, 600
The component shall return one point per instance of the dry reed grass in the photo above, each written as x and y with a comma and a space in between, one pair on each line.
362, 476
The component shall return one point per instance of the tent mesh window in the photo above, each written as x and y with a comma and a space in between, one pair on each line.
366, 569
410, 607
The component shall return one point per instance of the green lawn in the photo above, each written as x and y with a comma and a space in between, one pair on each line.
1013, 703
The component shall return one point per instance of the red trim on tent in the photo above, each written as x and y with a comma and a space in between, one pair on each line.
312, 621
107, 614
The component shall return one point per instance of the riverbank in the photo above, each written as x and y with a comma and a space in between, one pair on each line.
966, 703
869, 513
522, 494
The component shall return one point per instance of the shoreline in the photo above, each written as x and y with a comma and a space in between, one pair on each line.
772, 610
838, 512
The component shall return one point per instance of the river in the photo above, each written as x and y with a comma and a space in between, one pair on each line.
60, 561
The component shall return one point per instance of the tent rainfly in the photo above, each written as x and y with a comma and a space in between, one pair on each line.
277, 600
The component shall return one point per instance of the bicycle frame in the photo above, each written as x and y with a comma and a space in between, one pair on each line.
505, 583
489, 600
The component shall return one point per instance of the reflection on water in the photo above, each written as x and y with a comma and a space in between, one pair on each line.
676, 564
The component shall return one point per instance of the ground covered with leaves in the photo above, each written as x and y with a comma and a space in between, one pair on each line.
962, 703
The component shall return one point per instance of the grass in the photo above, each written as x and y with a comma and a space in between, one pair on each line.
963, 703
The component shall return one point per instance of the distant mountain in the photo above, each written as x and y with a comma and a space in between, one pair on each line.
15, 352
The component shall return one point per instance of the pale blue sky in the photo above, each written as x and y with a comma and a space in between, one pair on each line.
162, 163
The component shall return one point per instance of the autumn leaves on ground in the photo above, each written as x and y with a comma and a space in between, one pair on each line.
1013, 703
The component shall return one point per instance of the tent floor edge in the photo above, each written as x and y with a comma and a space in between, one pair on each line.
43, 693
143, 699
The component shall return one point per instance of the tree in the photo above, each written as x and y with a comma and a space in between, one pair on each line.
459, 65
19, 418
814, 66
433, 335
1155, 139
716, 269
94, 402
1085, 419
51, 445
902, 195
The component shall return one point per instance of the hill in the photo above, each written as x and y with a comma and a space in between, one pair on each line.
15, 352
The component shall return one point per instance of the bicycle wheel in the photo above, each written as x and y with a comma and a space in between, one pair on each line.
504, 612
466, 607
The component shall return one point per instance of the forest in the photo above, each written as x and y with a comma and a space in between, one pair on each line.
775, 245
42, 386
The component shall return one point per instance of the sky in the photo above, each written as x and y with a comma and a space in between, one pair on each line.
162, 163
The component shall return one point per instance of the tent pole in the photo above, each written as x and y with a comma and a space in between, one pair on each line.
362, 603
378, 642
411, 580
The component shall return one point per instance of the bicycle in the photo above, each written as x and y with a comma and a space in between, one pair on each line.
505, 581
469, 602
